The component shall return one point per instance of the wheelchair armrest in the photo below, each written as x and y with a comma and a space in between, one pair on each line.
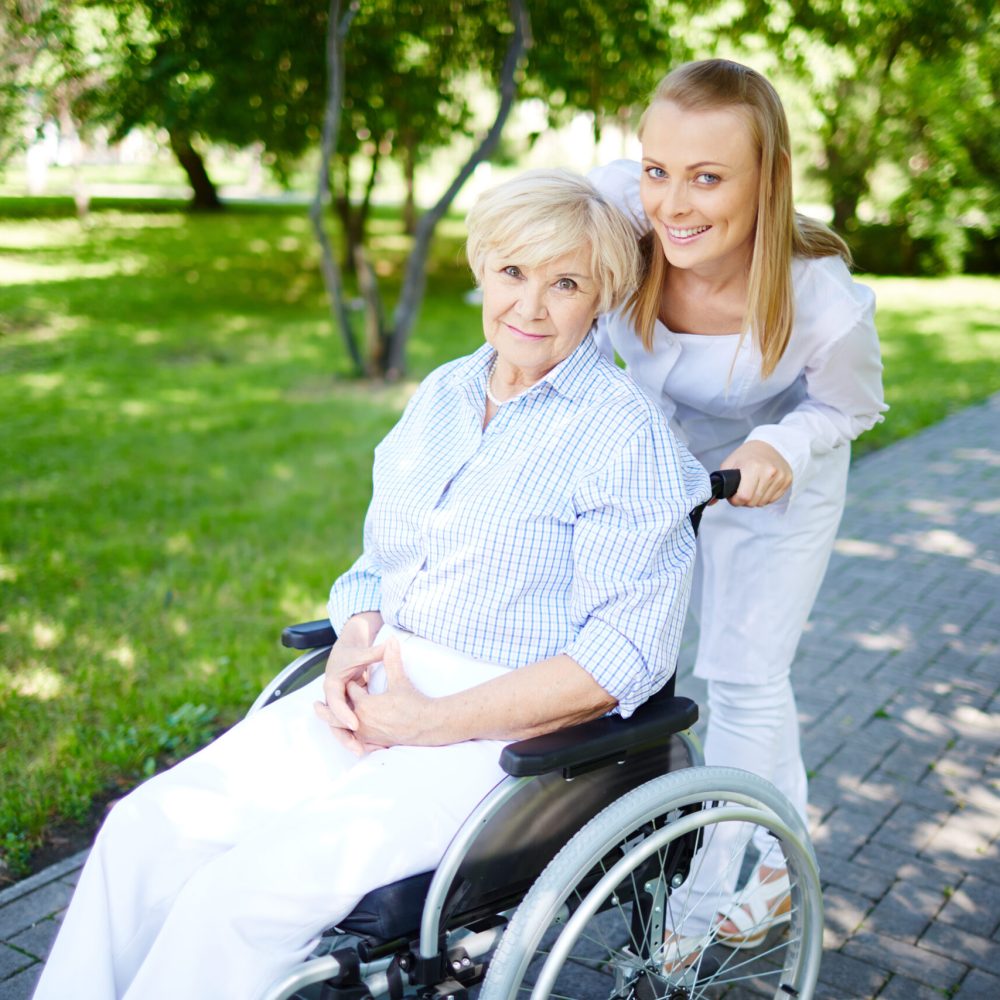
309, 635
592, 744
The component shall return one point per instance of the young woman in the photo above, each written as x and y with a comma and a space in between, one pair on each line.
753, 339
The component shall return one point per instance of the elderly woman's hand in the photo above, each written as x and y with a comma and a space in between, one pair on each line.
351, 656
400, 715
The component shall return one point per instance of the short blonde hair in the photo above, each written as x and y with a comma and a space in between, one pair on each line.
541, 215
781, 233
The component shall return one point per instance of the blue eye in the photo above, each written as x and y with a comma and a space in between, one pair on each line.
512, 271
566, 285
656, 173
706, 178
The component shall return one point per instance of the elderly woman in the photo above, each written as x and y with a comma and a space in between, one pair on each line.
526, 567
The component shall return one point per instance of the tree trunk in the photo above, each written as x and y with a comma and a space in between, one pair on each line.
410, 202
206, 198
412, 292
336, 30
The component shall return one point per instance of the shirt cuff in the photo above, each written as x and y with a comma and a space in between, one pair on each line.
350, 596
613, 662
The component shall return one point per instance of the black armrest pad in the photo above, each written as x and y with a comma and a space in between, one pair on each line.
309, 635
608, 738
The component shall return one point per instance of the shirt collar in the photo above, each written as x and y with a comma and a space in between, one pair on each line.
568, 378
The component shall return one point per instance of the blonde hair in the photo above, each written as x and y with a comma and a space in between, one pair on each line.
542, 215
780, 233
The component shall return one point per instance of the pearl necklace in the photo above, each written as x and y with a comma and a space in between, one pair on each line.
489, 387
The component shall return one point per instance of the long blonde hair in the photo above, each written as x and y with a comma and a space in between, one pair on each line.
780, 234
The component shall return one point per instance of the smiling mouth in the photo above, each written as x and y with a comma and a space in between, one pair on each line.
686, 234
524, 333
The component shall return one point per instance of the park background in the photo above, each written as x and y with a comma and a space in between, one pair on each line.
187, 416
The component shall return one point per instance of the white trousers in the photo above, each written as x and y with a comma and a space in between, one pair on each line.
215, 877
757, 576
754, 727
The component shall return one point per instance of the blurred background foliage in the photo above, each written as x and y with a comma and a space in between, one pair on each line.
897, 98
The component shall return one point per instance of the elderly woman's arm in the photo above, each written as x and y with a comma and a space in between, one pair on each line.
633, 548
534, 699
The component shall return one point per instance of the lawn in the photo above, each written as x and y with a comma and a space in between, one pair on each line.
184, 468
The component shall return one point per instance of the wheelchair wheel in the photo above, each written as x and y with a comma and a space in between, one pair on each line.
594, 923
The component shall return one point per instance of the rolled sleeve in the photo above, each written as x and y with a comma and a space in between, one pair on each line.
615, 663
359, 589
633, 551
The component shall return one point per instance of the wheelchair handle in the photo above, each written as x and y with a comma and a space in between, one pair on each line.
724, 484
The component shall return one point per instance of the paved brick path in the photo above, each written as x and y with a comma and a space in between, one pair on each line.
897, 683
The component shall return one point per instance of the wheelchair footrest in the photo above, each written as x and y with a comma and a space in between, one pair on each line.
610, 739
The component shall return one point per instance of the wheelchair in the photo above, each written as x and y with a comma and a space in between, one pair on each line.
567, 877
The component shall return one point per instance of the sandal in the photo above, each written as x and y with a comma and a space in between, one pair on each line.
758, 908
681, 951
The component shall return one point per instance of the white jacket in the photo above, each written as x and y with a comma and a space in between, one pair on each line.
825, 391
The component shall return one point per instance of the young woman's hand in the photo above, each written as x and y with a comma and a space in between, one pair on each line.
764, 475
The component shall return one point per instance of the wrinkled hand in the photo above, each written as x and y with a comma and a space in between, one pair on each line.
398, 716
350, 659
765, 476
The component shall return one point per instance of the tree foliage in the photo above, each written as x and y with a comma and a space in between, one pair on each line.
905, 87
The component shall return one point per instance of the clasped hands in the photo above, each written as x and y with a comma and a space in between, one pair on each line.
362, 721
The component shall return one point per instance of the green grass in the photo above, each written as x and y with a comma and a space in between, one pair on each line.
940, 344
184, 469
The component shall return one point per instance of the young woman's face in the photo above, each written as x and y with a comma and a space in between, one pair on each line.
699, 187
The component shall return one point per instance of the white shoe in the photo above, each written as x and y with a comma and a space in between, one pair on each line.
681, 951
759, 907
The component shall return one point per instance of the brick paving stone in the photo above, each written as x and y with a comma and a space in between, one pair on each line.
843, 913
978, 985
871, 883
904, 988
909, 867
971, 949
908, 829
21, 986
929, 798
909, 960
28, 910
852, 977
973, 906
847, 828
957, 840
911, 763
12, 961
905, 911
37, 939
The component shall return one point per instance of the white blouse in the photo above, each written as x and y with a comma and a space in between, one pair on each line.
824, 392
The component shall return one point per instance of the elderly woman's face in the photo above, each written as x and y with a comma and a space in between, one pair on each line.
536, 316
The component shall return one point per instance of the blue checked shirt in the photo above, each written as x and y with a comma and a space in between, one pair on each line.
561, 528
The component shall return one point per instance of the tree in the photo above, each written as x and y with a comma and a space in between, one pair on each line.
603, 58
388, 108
232, 71
895, 83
